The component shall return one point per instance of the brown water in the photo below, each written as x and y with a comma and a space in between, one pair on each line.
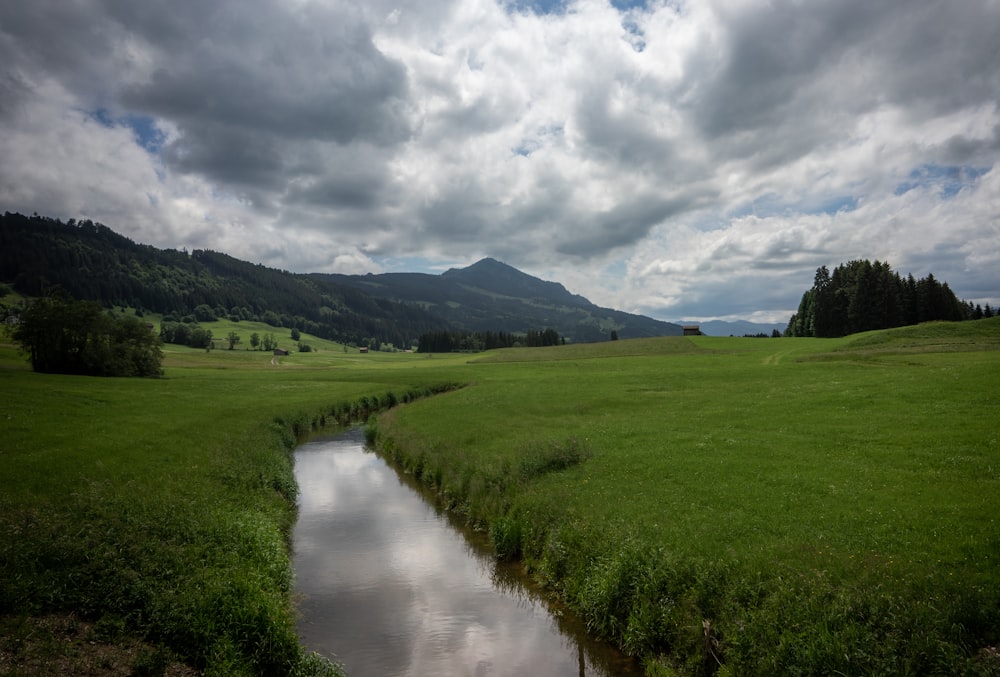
388, 585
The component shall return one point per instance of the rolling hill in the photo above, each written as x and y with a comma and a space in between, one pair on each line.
91, 261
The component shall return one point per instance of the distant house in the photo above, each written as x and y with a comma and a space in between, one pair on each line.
280, 351
362, 349
692, 330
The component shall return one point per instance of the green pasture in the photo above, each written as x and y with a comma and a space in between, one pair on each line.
750, 506
222, 327
715, 505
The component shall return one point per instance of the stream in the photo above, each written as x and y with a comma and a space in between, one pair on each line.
389, 584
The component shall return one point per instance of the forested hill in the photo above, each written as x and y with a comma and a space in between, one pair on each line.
490, 294
92, 262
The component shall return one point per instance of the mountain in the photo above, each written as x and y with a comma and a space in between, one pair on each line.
738, 328
498, 278
92, 262
491, 296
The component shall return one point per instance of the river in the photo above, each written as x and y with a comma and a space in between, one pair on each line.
388, 584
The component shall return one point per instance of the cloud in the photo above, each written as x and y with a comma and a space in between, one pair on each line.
770, 260
270, 72
685, 159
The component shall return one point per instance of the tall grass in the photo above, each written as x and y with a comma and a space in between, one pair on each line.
162, 508
789, 506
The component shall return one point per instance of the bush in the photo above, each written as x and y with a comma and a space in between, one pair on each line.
204, 313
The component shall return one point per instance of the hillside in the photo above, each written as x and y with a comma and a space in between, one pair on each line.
489, 295
93, 262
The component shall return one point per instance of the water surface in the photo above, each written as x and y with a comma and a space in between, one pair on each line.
388, 585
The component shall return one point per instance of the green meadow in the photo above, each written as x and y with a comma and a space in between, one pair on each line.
714, 505
161, 509
742, 506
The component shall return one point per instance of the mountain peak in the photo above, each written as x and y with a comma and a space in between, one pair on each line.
499, 278
484, 265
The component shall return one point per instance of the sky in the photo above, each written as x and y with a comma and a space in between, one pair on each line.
686, 160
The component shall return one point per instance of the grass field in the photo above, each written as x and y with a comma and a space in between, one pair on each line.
740, 506
160, 509
791, 506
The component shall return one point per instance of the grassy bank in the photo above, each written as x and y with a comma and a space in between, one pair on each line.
742, 506
153, 516
715, 505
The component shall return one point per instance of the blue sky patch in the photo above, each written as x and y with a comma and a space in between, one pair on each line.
415, 264
559, 6
635, 35
772, 204
529, 145
842, 203
539, 7
949, 179
623, 5
143, 127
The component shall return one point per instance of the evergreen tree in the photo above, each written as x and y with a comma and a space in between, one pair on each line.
862, 296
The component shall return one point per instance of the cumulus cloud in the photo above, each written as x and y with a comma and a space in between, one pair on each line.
681, 159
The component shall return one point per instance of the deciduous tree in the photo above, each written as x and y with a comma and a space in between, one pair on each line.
64, 336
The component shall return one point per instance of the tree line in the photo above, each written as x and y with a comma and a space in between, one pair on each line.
449, 341
862, 296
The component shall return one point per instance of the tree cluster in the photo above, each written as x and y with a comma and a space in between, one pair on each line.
862, 296
546, 337
186, 334
266, 343
448, 341
65, 336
